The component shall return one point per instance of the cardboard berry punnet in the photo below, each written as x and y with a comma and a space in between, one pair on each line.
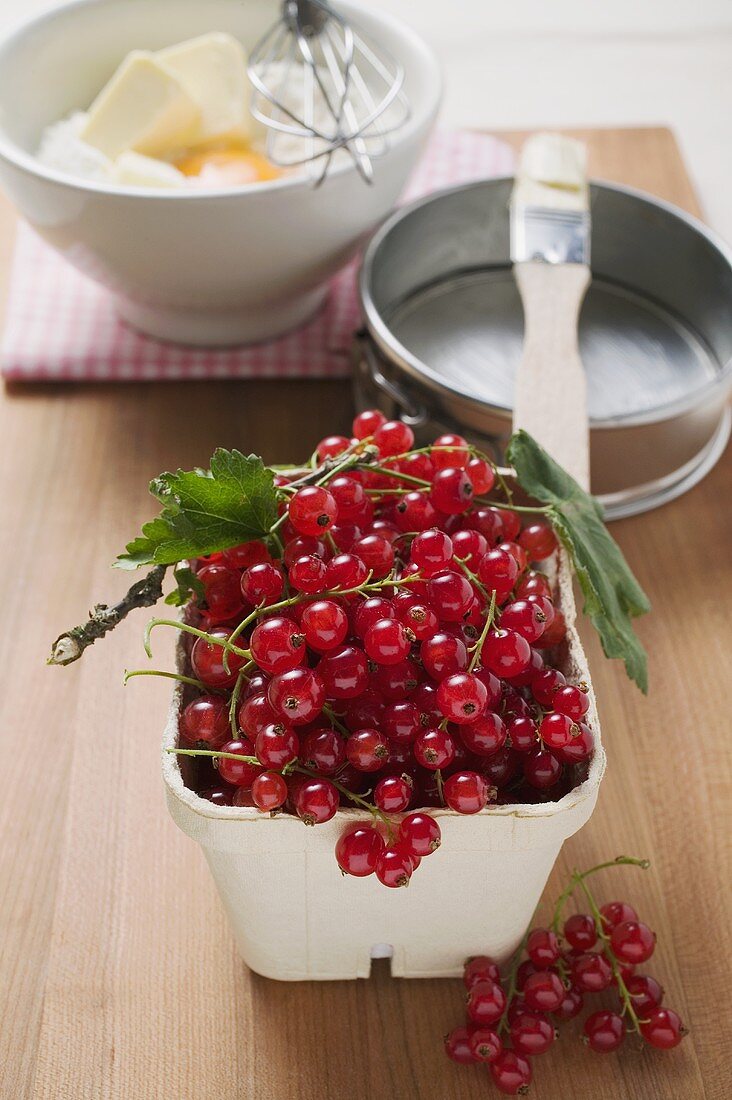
293, 914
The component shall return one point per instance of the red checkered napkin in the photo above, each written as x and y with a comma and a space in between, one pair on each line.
61, 326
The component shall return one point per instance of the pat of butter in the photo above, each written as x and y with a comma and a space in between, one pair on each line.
553, 172
138, 170
212, 69
143, 107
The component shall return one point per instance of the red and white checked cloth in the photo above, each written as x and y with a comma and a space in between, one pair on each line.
61, 326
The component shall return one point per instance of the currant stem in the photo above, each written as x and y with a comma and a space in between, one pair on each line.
478, 647
335, 720
515, 962
168, 676
223, 642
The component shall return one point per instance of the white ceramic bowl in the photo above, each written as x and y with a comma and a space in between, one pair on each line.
216, 266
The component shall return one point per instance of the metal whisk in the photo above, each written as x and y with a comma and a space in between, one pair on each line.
320, 87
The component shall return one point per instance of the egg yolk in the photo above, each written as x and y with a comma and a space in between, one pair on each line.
227, 166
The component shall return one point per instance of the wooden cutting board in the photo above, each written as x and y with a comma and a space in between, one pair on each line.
118, 976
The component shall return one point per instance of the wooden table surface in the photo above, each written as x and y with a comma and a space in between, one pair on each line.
118, 976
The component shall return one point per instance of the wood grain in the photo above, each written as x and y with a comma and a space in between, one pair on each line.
118, 978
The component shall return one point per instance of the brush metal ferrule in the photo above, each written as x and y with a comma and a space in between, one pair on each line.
554, 236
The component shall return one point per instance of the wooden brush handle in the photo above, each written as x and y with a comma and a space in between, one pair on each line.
551, 391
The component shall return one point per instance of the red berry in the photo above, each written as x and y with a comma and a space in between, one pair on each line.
572, 701
297, 696
451, 594
486, 1002
526, 618
277, 645
458, 1048
434, 749
481, 476
538, 540
420, 834
207, 662
452, 491
393, 793
386, 642
400, 722
312, 510
632, 942
615, 912
484, 737
645, 992
506, 653
357, 851
205, 722
542, 948
557, 731
324, 624
344, 672
241, 773
523, 734
277, 745
662, 1028
316, 801
307, 574
498, 572
545, 684
485, 1044
269, 791
415, 512
580, 932
220, 796
431, 551
480, 968
255, 713
544, 991
604, 1031
394, 867
591, 973
466, 792
366, 423
323, 751
345, 571
367, 750
579, 748
531, 1033
511, 1073
393, 438
542, 769
449, 450
331, 446
377, 554
443, 655
462, 697
262, 584
221, 591
469, 546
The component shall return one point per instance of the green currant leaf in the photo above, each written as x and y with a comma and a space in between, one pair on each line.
205, 511
188, 586
612, 595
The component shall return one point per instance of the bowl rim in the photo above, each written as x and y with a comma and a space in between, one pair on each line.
420, 118
379, 329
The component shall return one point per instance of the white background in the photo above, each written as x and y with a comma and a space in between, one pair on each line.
534, 63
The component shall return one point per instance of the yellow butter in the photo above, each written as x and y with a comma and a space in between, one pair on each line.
144, 108
212, 69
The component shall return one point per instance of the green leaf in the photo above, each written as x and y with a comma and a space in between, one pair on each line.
206, 510
188, 586
612, 595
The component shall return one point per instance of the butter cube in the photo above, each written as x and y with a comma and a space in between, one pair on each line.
138, 170
143, 107
212, 69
